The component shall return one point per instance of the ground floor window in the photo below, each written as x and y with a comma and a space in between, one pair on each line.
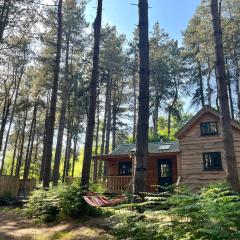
125, 168
212, 161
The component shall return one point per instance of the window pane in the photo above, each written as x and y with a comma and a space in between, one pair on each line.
213, 127
212, 161
208, 128
125, 168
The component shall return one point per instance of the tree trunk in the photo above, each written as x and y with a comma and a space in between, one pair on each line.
14, 152
155, 114
92, 99
20, 156
95, 166
66, 154
30, 143
44, 149
109, 118
201, 85
143, 107
74, 155
100, 167
52, 111
134, 107
4, 18
62, 120
237, 86
169, 122
231, 165
10, 122
6, 108
209, 89
230, 91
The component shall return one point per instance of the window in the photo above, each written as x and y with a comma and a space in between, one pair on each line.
125, 168
209, 128
165, 170
212, 161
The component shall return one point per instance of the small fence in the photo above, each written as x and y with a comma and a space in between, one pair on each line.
14, 186
71, 180
26, 186
118, 183
9, 185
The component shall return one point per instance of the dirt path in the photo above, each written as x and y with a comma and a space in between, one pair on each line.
14, 226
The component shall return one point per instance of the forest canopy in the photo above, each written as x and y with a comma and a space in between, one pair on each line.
35, 49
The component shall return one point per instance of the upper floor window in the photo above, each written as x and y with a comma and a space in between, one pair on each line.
209, 128
212, 161
125, 168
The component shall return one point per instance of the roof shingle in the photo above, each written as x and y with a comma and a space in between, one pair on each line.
153, 147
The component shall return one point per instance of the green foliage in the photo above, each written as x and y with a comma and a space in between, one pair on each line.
44, 206
72, 203
59, 202
6, 199
211, 215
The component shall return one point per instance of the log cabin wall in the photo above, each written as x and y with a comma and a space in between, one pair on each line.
192, 147
152, 170
113, 166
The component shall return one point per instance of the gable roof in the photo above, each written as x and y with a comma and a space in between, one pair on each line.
153, 147
193, 120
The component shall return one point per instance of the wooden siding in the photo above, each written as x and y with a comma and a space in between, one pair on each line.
192, 147
152, 169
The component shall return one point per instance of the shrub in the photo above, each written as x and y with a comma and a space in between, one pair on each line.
44, 206
6, 199
73, 204
63, 201
211, 215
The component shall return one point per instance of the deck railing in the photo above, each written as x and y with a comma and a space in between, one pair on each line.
118, 183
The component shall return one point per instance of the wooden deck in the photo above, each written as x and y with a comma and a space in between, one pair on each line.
118, 183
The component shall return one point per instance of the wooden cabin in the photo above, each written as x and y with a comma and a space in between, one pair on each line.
196, 159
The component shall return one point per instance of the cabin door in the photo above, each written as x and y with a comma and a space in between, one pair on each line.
164, 173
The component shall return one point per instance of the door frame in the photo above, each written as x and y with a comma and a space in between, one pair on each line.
170, 163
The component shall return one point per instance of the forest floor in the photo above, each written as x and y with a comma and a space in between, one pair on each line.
13, 225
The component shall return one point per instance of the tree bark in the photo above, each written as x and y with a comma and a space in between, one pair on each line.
14, 152
155, 114
134, 107
237, 85
139, 182
209, 89
201, 85
6, 108
230, 91
100, 167
20, 156
11, 120
62, 120
74, 155
30, 143
52, 111
109, 117
231, 165
92, 99
95, 166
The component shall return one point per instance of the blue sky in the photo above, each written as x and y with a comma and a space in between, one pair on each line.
173, 15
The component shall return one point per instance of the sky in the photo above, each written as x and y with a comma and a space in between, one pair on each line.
172, 15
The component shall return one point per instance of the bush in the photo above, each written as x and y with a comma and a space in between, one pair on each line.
6, 199
63, 201
44, 206
73, 204
211, 215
